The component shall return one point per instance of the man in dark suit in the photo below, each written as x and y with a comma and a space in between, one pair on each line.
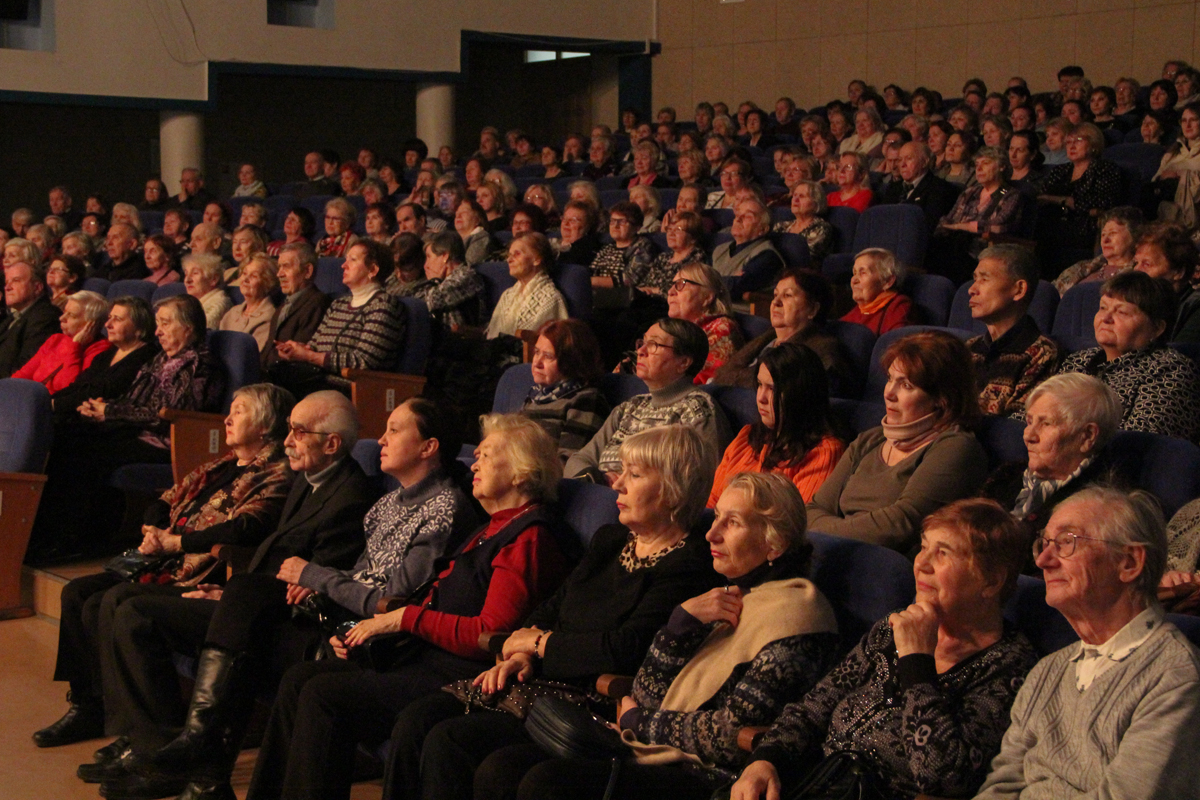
31, 318
240, 630
303, 306
192, 194
919, 186
125, 263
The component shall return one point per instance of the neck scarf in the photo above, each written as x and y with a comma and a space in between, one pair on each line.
878, 304
540, 395
909, 437
1036, 491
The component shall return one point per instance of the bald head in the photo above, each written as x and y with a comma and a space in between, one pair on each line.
914, 160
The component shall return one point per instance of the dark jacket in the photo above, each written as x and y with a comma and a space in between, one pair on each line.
131, 269
20, 340
102, 379
934, 195
1004, 484
303, 319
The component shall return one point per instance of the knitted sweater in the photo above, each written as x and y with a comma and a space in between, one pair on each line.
1128, 735
526, 307
1007, 369
367, 337
808, 474
571, 421
455, 301
679, 403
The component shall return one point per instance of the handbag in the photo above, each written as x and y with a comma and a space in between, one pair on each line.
132, 564
517, 698
845, 775
568, 730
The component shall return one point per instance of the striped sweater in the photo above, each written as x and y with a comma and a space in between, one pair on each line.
367, 337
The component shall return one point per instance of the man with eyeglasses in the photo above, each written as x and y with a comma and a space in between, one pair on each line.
1114, 715
240, 628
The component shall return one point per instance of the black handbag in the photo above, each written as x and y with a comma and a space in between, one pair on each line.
845, 775
517, 698
132, 564
568, 730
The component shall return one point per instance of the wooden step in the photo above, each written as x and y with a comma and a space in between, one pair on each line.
42, 587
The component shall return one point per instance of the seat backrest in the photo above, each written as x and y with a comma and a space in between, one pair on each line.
26, 428
168, 290
858, 342
610, 183
316, 204
1002, 439
97, 285
738, 403
1046, 628
610, 197
845, 221
281, 202
794, 249
239, 353
617, 387
135, 288
366, 453
932, 296
1165, 466
152, 221
855, 416
574, 281
496, 279
1188, 625
585, 507
328, 276
1074, 319
864, 582
1142, 158
877, 375
418, 337
1043, 308
900, 228
752, 325
512, 389
721, 217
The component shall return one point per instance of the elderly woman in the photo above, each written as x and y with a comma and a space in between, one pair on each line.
1159, 388
988, 206
1119, 231
808, 203
578, 241
177, 226
362, 330
716, 154
248, 241
1177, 182
734, 174
602, 160
64, 278
1082, 189
620, 267
648, 200
202, 275
867, 138
249, 184
669, 356
878, 306
930, 686
693, 169
470, 222
646, 159
684, 232
61, 358
956, 164
534, 299
564, 398
793, 436
339, 222
492, 582
379, 220
602, 620
996, 132
23, 251
542, 196
490, 198
1165, 250
698, 295
1069, 420
162, 259
852, 183
254, 314
452, 290
126, 214
234, 499
919, 459
129, 329
691, 198
351, 175
800, 307
938, 136
79, 244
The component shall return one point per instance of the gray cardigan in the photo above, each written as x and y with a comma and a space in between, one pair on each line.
1129, 735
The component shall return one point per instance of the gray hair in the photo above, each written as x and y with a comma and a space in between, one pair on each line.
606, 141
763, 214
816, 193
56, 225
531, 452
588, 188
335, 414
655, 199
1131, 519
94, 305
208, 263
993, 154
711, 281
1082, 399
84, 240
29, 252
506, 183
270, 407
304, 251
779, 507
884, 262
873, 115
24, 214
343, 205
1020, 264
685, 466
130, 210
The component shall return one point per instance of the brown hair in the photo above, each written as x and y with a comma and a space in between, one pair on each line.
576, 349
999, 545
939, 364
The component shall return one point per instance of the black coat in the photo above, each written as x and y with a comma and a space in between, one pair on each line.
301, 323
103, 379
934, 195
21, 339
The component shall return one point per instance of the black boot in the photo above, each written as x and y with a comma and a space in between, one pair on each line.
211, 781
83, 720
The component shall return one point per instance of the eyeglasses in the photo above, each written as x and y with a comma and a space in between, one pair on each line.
1064, 544
331, 218
1077, 140
682, 283
618, 221
300, 433
652, 347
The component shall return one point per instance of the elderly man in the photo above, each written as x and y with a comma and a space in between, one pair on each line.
21, 219
244, 624
1114, 715
124, 261
750, 262
31, 317
919, 186
60, 206
315, 180
192, 194
411, 218
303, 306
1013, 356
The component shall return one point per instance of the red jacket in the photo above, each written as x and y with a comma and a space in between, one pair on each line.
59, 361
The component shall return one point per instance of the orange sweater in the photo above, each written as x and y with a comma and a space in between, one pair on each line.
808, 475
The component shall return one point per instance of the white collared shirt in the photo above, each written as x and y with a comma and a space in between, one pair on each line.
1092, 661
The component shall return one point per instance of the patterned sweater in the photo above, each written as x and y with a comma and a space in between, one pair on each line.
1159, 388
191, 380
367, 337
678, 403
455, 301
407, 531
572, 420
924, 733
724, 339
1007, 369
820, 236
527, 307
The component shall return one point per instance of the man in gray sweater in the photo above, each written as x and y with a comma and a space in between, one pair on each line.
1114, 715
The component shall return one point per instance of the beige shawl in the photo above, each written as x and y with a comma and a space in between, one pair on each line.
1187, 163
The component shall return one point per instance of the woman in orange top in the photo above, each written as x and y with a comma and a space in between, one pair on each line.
792, 436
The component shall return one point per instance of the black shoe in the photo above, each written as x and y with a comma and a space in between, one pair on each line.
83, 721
111, 762
208, 790
142, 787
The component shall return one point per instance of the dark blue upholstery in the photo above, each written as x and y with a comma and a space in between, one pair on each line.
585, 507
1046, 628
782, 214
1042, 309
667, 198
858, 342
512, 389
26, 431
794, 249
738, 403
931, 297
610, 197
496, 279
366, 453
574, 281
143, 478
900, 228
1165, 466
168, 290
1003, 439
1074, 326
752, 325
1189, 625
618, 387
864, 582
610, 182
845, 221
722, 217
877, 375
97, 285
282, 203
660, 241
855, 415
138, 288
328, 276
152, 221
235, 294
239, 353
418, 337
1141, 158
316, 204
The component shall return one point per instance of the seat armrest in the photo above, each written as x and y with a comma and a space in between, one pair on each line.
760, 304
376, 394
20, 494
748, 737
614, 687
196, 437
528, 343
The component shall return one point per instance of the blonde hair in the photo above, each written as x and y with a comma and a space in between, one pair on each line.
270, 270
685, 466
779, 507
712, 282
530, 451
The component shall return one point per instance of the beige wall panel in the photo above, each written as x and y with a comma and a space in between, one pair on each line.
712, 68
891, 15
712, 22
675, 27
673, 81
1160, 33
797, 19
1046, 44
842, 17
843, 58
1092, 6
797, 68
1104, 45
753, 20
937, 13
891, 59
992, 53
1038, 9
942, 64
756, 80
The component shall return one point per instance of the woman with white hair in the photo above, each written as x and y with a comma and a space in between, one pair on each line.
59, 360
202, 277
1069, 420
259, 278
867, 138
127, 214
808, 203
648, 200
877, 304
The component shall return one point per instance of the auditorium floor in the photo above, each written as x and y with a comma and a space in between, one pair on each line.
29, 700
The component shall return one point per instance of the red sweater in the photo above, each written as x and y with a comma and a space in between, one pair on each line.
858, 202
524, 572
58, 362
892, 315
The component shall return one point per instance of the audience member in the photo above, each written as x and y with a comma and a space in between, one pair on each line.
1119, 232
698, 295
808, 203
878, 306
192, 194
565, 398
61, 358
31, 317
162, 261
303, 306
534, 299
64, 277
453, 291
202, 275
750, 262
339, 220
259, 280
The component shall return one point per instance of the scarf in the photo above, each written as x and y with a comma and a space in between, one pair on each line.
909, 437
878, 304
1036, 491
540, 395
